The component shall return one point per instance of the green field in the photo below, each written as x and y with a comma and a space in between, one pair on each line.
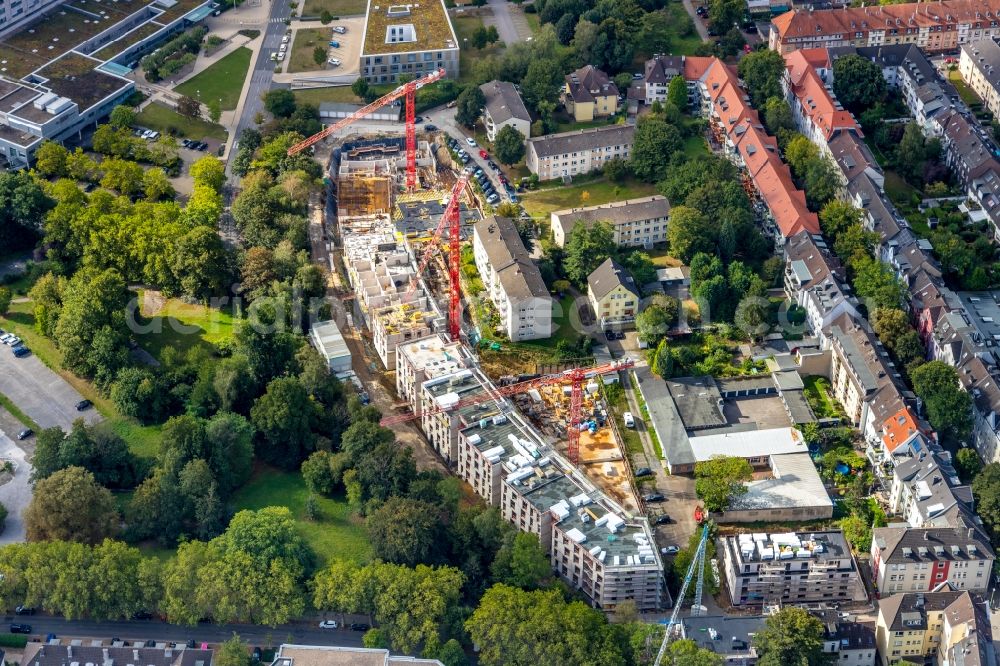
900, 192
300, 56
222, 80
336, 533
562, 326
539, 203
143, 440
695, 146
336, 8
183, 326
164, 119
319, 95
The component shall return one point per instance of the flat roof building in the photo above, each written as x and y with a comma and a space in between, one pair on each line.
329, 342
329, 655
412, 39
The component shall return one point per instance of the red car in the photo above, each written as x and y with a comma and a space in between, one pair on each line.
485, 155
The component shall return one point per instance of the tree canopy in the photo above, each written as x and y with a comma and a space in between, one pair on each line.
721, 480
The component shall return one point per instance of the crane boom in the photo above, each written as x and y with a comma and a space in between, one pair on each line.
456, 192
405, 90
575, 375
697, 564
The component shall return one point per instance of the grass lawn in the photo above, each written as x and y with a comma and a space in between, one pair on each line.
467, 56
301, 54
565, 123
964, 91
661, 257
337, 8
562, 328
539, 203
319, 95
899, 191
143, 440
817, 391
534, 22
335, 533
695, 146
222, 80
183, 325
163, 119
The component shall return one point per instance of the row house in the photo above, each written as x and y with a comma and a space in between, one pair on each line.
926, 559
947, 627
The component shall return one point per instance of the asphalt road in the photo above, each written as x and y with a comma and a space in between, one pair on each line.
699, 25
15, 495
263, 67
504, 22
299, 632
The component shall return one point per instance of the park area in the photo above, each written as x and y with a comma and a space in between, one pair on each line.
165, 120
170, 322
301, 54
222, 81
337, 8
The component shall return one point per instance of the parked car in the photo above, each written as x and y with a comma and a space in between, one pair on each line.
21, 436
472, 142
83, 405
143, 615
13, 342
191, 643
653, 497
284, 39
150, 643
24, 610
628, 419
335, 44
281, 56
339, 29
513, 198
483, 154
256, 654
664, 519
643, 471
430, 128
359, 626
492, 199
328, 624
333, 61
16, 628
274, 57
21, 352
418, 119
669, 550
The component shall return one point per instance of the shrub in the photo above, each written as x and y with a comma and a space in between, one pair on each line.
13, 641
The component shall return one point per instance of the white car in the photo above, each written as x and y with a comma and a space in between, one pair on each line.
282, 48
13, 342
274, 56
328, 624
8, 336
669, 550
284, 40
281, 56
471, 141
339, 29
628, 419
334, 62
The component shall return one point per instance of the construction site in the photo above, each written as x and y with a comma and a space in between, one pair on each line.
555, 466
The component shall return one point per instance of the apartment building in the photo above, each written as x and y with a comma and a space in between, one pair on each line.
737, 127
512, 280
979, 65
426, 358
934, 626
577, 152
38, 653
638, 222
908, 559
504, 107
790, 568
411, 39
613, 294
848, 641
937, 27
593, 543
815, 110
589, 93
925, 490
658, 72
329, 655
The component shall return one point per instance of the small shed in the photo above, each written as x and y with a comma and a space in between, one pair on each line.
329, 342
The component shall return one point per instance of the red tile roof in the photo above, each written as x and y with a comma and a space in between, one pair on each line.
813, 97
899, 428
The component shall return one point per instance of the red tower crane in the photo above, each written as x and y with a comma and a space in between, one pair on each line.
452, 219
575, 376
407, 90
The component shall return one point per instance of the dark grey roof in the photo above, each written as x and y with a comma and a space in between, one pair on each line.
609, 275
518, 274
985, 56
580, 140
588, 83
908, 544
64, 655
616, 212
728, 629
503, 102
661, 68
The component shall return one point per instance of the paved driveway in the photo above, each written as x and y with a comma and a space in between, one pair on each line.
42, 394
15, 495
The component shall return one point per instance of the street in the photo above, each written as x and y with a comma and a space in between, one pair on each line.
307, 633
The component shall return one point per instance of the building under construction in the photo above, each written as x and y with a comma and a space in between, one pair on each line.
369, 171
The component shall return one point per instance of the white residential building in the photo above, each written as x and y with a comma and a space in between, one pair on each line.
577, 152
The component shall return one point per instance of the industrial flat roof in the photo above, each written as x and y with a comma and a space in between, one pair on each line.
795, 483
329, 341
748, 443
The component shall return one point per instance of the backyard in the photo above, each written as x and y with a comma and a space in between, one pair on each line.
336, 530
301, 54
817, 390
174, 323
539, 203
222, 81
163, 119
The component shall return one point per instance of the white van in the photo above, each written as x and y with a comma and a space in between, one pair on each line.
629, 420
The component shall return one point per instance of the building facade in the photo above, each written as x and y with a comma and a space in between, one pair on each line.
917, 627
577, 152
636, 222
411, 39
923, 559
589, 93
612, 294
979, 65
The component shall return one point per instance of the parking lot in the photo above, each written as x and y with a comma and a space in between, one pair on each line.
15, 494
41, 393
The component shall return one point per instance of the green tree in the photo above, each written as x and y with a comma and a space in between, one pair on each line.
949, 407
268, 535
685, 652
187, 106
762, 71
791, 636
912, 152
509, 145
5, 298
968, 464
521, 562
201, 263
469, 106
689, 232
986, 491
541, 84
858, 82
360, 87
92, 307
586, 249
654, 143
232, 653
452, 654
122, 175
280, 102
677, 93
655, 321
778, 116
156, 185
50, 159
721, 480
837, 217
71, 506
404, 531
284, 416
210, 171
122, 117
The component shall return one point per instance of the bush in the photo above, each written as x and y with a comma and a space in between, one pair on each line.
173, 55
13, 640
250, 34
